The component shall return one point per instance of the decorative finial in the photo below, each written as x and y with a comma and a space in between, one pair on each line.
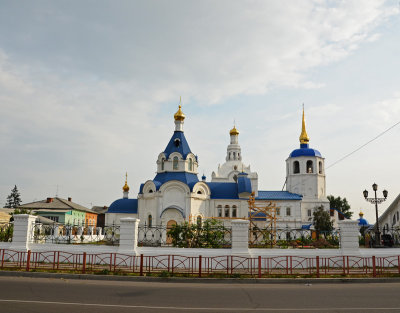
126, 187
179, 116
234, 131
304, 139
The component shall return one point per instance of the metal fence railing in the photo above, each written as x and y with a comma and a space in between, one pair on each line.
76, 234
390, 237
6, 232
293, 238
185, 236
216, 266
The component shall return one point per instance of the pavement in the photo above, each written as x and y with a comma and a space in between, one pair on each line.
62, 295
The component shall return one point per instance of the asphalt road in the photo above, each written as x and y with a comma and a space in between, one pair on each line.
18, 294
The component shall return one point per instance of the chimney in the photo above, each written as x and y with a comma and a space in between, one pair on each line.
69, 199
49, 200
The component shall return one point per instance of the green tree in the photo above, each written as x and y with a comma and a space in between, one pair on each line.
340, 204
13, 199
322, 221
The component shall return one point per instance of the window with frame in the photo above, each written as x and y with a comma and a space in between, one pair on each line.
288, 211
175, 163
234, 211
219, 211
278, 211
199, 221
320, 167
190, 165
162, 164
296, 167
150, 220
227, 213
309, 166
309, 212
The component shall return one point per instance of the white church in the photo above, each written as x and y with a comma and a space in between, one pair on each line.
176, 194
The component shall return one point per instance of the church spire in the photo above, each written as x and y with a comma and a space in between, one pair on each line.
126, 187
304, 139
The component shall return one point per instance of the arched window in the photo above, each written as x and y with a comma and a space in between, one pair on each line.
150, 221
190, 165
394, 219
229, 156
227, 211
199, 192
296, 167
309, 166
219, 209
175, 163
162, 164
234, 211
198, 221
234, 155
320, 167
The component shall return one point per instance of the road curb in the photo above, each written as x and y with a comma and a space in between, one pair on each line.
199, 280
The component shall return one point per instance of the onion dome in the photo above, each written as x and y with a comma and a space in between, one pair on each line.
179, 116
126, 187
362, 221
234, 131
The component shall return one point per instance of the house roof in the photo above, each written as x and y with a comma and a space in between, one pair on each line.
54, 204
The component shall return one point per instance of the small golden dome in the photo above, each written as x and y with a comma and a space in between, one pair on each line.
126, 187
234, 131
361, 213
179, 116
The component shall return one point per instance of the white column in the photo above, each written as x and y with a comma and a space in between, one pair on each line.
349, 236
22, 233
240, 236
128, 234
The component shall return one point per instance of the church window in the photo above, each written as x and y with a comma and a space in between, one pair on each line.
296, 167
199, 192
227, 211
150, 220
198, 221
177, 142
162, 164
288, 211
234, 211
175, 163
219, 211
235, 178
394, 219
278, 211
151, 191
229, 156
190, 165
234, 155
309, 212
320, 167
238, 155
235, 167
309, 166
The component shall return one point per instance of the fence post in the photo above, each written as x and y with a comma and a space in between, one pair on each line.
28, 260
317, 265
84, 263
259, 266
23, 227
200, 259
240, 236
349, 237
141, 265
128, 240
373, 266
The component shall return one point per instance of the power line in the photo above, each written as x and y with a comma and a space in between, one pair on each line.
365, 144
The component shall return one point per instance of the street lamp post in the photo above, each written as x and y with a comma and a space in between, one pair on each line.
375, 201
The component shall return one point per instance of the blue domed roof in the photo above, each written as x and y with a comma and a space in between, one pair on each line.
305, 150
362, 222
124, 205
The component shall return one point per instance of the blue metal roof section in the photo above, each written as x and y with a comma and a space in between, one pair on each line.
223, 190
124, 206
278, 195
189, 179
305, 150
244, 183
179, 144
362, 222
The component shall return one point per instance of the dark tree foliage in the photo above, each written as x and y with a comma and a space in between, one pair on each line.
322, 221
340, 204
13, 199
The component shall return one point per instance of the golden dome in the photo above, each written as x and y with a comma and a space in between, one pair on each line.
179, 116
304, 139
361, 213
126, 187
234, 131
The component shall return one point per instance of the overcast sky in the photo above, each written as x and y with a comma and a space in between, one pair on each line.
88, 90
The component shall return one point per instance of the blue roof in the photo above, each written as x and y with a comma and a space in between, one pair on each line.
305, 150
223, 190
277, 195
244, 183
189, 179
124, 206
362, 222
182, 147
